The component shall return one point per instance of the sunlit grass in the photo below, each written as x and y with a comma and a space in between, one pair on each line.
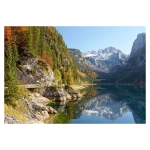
82, 74
17, 112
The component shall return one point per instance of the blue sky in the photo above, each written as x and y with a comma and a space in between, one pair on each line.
87, 38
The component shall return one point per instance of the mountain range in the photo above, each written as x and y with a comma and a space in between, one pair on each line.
113, 65
38, 62
106, 59
134, 70
77, 57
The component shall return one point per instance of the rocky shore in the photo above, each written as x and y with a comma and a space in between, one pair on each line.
61, 94
36, 104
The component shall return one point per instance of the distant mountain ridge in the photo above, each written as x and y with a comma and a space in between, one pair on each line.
106, 59
77, 57
113, 65
82, 64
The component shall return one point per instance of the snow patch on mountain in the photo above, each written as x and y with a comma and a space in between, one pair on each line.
106, 107
90, 55
106, 59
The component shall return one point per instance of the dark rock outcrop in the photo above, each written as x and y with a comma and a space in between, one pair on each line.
138, 52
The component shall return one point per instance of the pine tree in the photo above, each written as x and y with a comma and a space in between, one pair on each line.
69, 77
63, 77
15, 53
30, 41
36, 32
58, 76
11, 92
54, 61
42, 46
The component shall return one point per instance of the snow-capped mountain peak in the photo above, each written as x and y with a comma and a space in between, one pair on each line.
89, 55
106, 59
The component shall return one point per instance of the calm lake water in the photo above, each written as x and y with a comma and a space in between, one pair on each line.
108, 104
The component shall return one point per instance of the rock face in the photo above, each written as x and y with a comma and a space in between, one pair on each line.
138, 52
111, 58
81, 61
31, 70
105, 60
138, 44
134, 70
50, 91
36, 97
37, 111
51, 110
61, 94
10, 120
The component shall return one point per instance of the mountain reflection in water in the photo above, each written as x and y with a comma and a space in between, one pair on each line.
124, 104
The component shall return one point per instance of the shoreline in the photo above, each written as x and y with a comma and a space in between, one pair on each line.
81, 86
36, 106
77, 87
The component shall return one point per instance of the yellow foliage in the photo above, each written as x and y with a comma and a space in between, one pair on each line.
58, 75
23, 92
17, 112
82, 74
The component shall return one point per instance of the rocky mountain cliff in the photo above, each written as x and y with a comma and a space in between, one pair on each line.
106, 59
81, 61
34, 70
77, 57
85, 68
134, 70
138, 52
38, 53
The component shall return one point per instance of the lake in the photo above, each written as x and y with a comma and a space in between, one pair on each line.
109, 104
